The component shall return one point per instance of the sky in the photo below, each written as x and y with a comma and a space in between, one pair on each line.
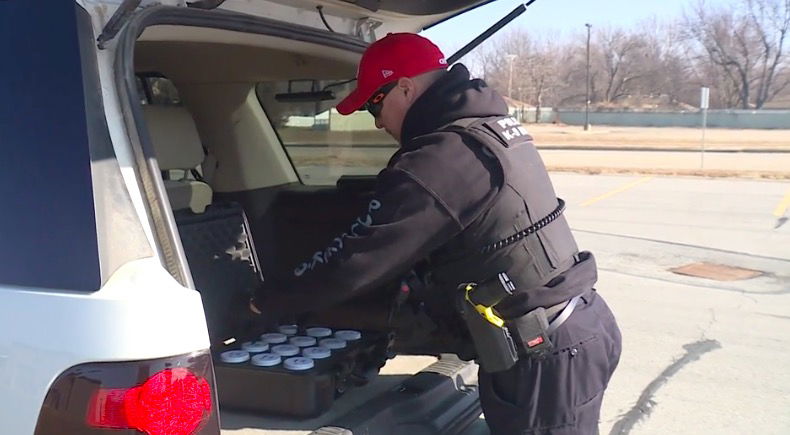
557, 17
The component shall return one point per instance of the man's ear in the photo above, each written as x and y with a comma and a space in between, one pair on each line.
408, 87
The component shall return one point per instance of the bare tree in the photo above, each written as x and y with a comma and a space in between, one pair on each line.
771, 21
491, 62
620, 57
746, 45
535, 72
541, 72
666, 66
516, 62
738, 51
572, 74
484, 61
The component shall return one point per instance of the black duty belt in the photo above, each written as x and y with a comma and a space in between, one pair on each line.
565, 309
507, 241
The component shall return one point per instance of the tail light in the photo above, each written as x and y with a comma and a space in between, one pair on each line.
173, 396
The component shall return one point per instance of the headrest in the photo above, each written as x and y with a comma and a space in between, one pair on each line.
174, 136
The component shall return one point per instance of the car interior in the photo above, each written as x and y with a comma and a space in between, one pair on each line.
232, 185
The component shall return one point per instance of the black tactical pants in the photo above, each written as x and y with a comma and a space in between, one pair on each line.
561, 394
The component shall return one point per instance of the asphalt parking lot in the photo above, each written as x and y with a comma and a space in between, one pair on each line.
700, 355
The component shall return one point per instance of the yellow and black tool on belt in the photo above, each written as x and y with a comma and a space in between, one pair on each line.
495, 348
486, 295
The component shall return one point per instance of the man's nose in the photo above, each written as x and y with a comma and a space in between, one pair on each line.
378, 123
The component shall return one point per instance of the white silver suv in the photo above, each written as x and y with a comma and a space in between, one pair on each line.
132, 135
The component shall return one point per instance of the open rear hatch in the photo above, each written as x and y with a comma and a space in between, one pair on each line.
391, 15
440, 399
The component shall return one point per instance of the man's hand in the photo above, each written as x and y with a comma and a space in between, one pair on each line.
242, 318
266, 307
253, 308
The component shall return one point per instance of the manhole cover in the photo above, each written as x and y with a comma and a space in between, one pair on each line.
718, 272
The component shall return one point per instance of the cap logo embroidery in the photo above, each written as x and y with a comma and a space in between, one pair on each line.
443, 61
387, 72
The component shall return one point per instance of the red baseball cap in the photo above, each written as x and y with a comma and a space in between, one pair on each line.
388, 59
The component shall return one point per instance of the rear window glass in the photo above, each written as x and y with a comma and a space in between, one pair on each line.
47, 224
323, 144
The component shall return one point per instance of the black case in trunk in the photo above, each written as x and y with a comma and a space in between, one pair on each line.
300, 394
225, 268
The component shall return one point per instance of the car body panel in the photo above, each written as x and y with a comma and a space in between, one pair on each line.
141, 313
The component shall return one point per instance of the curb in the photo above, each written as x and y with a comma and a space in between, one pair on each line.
575, 148
659, 149
704, 173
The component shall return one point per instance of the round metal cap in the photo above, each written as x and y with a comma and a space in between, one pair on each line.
234, 356
255, 346
348, 335
319, 332
299, 363
332, 343
286, 349
303, 341
288, 329
266, 360
274, 338
318, 352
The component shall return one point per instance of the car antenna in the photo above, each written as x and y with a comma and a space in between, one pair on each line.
490, 31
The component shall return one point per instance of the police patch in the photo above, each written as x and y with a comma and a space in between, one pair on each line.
509, 130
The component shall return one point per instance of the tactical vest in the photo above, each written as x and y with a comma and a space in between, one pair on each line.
526, 197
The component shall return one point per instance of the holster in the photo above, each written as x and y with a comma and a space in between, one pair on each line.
530, 332
495, 348
500, 342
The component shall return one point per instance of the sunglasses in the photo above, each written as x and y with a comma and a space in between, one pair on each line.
375, 104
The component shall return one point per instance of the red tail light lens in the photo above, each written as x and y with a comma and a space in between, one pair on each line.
173, 396
171, 402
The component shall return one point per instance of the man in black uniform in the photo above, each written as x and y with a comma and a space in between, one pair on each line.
468, 192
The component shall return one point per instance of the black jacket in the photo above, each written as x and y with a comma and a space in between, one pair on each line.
433, 188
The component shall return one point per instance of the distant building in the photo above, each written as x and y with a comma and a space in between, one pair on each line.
525, 112
517, 108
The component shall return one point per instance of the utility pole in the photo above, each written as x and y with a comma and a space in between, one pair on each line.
510, 58
587, 93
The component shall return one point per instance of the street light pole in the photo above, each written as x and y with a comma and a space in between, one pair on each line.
510, 58
587, 83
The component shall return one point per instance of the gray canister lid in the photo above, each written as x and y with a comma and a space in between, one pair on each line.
299, 363
318, 352
332, 343
348, 335
266, 360
234, 356
255, 346
288, 329
274, 338
319, 332
303, 341
286, 349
